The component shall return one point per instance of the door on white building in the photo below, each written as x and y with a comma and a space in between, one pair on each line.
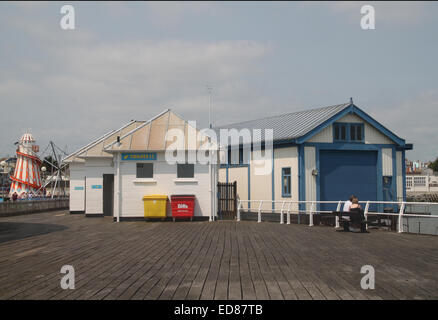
108, 195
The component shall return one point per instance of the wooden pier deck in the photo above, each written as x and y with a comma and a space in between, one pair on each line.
208, 260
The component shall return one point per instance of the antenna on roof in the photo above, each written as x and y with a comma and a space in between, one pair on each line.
209, 89
351, 100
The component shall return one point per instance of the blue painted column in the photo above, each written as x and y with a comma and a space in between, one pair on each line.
379, 179
318, 177
301, 178
394, 174
404, 173
394, 178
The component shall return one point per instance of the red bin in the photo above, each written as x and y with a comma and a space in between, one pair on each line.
183, 206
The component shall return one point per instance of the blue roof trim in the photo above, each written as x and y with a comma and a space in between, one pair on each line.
377, 125
352, 109
325, 124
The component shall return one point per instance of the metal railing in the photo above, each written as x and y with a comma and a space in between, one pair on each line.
417, 183
286, 209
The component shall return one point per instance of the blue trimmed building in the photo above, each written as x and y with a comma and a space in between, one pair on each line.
323, 154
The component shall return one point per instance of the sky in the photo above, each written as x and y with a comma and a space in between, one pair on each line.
132, 60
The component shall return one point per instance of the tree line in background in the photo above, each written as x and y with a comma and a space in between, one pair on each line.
434, 165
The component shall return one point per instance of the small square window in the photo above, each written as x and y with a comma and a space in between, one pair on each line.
145, 170
185, 170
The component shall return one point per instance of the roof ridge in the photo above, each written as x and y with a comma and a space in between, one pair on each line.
284, 114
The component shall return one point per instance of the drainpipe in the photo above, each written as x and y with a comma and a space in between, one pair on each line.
212, 184
119, 185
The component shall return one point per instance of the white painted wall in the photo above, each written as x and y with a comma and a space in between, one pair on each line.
94, 170
309, 165
164, 182
286, 157
387, 162
239, 174
325, 135
77, 180
399, 178
222, 175
371, 134
261, 184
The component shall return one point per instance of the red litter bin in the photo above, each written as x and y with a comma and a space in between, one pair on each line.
183, 206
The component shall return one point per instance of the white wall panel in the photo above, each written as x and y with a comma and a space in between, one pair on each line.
387, 162
77, 186
399, 164
222, 175
95, 168
165, 174
240, 174
286, 157
310, 164
325, 135
372, 135
261, 184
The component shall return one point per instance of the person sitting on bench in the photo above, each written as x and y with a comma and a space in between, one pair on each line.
348, 203
346, 220
356, 220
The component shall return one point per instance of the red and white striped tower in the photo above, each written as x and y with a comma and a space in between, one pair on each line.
27, 175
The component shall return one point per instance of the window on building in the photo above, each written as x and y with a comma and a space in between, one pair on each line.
145, 170
185, 170
240, 154
285, 182
348, 132
356, 132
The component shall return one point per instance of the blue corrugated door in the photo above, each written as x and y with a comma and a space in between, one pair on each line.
343, 173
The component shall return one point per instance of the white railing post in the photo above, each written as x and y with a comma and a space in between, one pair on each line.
400, 217
238, 210
338, 208
281, 213
365, 213
288, 213
259, 218
311, 214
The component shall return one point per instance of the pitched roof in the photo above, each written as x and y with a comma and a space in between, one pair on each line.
152, 135
290, 125
95, 148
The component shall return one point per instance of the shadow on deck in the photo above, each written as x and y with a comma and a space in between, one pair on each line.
19, 230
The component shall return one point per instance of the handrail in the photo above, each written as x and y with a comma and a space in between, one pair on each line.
313, 209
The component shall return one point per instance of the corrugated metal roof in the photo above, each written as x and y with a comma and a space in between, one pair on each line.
290, 125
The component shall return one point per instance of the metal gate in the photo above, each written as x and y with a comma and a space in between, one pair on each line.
227, 200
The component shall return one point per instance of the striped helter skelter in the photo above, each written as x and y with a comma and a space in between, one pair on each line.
27, 174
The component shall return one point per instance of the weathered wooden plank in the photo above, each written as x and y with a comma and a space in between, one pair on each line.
212, 260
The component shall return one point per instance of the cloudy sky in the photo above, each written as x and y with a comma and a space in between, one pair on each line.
132, 60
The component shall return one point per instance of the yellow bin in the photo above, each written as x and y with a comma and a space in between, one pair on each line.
155, 206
